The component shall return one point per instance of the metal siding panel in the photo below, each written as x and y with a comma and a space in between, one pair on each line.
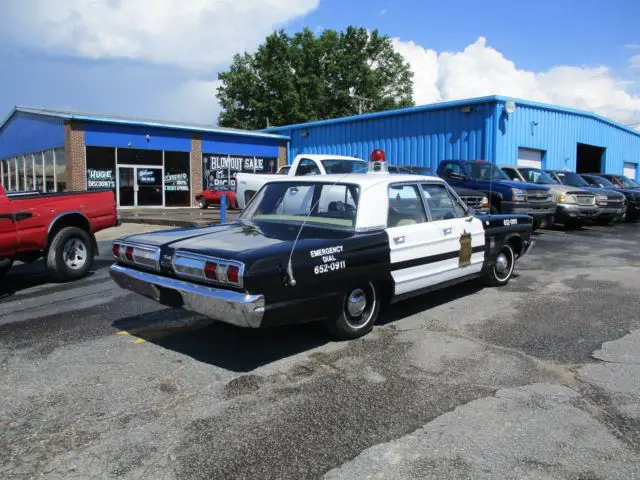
29, 133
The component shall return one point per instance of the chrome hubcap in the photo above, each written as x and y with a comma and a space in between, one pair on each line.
74, 253
356, 302
502, 264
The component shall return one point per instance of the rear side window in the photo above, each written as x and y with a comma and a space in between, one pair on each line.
307, 167
511, 173
453, 168
442, 205
405, 206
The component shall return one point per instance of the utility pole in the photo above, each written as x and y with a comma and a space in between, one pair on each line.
361, 102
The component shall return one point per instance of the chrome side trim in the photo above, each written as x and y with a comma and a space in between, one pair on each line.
236, 308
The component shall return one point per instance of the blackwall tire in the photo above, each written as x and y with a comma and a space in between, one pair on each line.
501, 272
359, 312
202, 203
5, 266
70, 255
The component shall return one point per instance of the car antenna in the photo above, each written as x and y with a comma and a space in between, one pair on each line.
291, 278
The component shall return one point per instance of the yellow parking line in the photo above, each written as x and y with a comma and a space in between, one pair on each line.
122, 332
139, 340
553, 231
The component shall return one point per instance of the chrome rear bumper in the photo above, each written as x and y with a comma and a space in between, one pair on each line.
237, 308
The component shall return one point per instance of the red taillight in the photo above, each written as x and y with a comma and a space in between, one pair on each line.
211, 270
129, 253
233, 273
115, 249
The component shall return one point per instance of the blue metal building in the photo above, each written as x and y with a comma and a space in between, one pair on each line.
146, 162
506, 131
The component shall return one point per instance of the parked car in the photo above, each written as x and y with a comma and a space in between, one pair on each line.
213, 195
57, 226
248, 184
574, 206
294, 256
611, 205
620, 180
284, 170
472, 198
505, 195
632, 196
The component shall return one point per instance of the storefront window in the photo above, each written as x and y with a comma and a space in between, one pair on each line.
132, 156
61, 170
28, 169
176, 179
37, 165
5, 174
101, 168
20, 179
49, 170
220, 170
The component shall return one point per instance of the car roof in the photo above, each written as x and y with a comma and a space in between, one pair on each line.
316, 156
362, 179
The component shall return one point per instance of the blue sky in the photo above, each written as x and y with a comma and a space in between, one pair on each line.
99, 55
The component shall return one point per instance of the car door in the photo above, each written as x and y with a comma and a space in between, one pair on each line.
8, 231
425, 250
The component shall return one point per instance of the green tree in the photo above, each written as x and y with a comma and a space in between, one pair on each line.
304, 77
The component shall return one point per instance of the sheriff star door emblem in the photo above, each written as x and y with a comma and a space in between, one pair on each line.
465, 250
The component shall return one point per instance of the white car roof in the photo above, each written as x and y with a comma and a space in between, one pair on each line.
362, 179
315, 156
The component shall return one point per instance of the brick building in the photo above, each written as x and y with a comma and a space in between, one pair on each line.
146, 162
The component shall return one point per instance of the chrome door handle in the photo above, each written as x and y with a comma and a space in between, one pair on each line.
446, 231
398, 240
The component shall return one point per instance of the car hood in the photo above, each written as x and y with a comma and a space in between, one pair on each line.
602, 191
512, 184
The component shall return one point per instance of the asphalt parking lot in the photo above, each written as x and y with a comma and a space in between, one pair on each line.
540, 379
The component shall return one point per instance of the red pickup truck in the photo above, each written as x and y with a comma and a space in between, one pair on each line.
57, 226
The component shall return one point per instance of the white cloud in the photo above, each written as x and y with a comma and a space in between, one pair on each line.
199, 34
382, 12
632, 46
195, 101
481, 70
634, 61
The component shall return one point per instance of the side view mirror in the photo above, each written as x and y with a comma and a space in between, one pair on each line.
455, 176
471, 212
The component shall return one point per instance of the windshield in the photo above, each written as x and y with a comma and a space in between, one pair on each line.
344, 166
326, 204
572, 179
627, 182
485, 171
604, 182
535, 175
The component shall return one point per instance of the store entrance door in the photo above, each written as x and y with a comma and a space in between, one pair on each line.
140, 186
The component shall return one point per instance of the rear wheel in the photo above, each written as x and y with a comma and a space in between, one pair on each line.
5, 265
70, 254
502, 269
202, 203
360, 309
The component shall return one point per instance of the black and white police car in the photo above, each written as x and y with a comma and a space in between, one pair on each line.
324, 248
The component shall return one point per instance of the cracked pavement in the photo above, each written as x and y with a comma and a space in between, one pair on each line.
540, 379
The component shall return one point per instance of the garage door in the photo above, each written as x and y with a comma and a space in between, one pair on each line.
630, 170
528, 157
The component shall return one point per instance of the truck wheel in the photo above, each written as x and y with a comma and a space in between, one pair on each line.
5, 265
360, 309
70, 254
502, 269
202, 203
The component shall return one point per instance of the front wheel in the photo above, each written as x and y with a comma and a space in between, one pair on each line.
70, 254
202, 203
360, 309
502, 269
5, 265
